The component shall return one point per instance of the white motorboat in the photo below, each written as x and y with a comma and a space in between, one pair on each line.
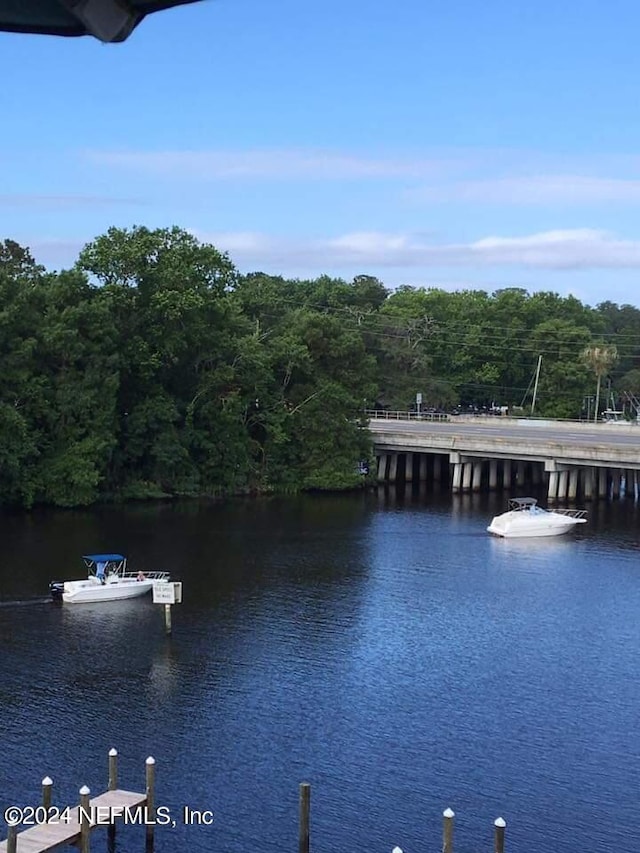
107, 580
525, 518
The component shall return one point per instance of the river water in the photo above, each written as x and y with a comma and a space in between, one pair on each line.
381, 646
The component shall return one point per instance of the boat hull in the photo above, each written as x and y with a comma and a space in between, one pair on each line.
86, 592
508, 528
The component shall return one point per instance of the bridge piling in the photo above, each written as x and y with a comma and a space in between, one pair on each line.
573, 484
493, 475
506, 474
466, 476
424, 460
457, 476
588, 483
382, 467
408, 467
476, 477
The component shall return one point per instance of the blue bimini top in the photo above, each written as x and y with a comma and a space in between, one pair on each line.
104, 558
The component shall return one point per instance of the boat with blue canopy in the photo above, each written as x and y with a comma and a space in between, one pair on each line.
108, 579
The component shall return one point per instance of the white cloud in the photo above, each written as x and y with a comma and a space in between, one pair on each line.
32, 200
394, 257
271, 164
472, 176
577, 249
534, 189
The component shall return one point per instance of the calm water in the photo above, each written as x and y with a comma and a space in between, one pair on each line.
384, 648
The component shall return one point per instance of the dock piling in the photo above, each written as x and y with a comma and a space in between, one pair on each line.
47, 785
305, 808
112, 786
499, 825
447, 830
113, 770
85, 823
12, 838
150, 767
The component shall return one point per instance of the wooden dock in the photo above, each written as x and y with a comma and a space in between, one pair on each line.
48, 836
73, 825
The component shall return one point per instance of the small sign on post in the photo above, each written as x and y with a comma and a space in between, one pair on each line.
167, 593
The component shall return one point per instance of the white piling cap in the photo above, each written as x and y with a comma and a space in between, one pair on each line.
500, 822
84, 790
397, 850
113, 752
448, 813
47, 781
150, 760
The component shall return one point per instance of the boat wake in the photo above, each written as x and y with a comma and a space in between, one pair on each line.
26, 602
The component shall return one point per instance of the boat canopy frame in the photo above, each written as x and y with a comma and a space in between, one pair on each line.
522, 503
531, 505
102, 564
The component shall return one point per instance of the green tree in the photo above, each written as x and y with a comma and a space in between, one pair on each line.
599, 358
168, 296
22, 387
563, 376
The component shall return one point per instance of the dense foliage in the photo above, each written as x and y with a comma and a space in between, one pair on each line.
153, 368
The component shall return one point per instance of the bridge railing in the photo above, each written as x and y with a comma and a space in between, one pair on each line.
384, 414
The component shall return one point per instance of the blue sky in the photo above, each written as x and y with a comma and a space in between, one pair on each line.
456, 144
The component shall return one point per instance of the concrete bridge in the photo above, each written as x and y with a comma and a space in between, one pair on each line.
570, 459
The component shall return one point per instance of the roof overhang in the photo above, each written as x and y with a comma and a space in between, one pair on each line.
107, 20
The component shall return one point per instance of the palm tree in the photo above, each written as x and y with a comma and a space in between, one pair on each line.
600, 358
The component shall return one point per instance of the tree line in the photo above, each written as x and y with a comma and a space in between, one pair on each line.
153, 368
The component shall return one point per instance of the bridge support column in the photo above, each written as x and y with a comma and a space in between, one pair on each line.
615, 484
602, 482
457, 476
520, 472
439, 463
476, 480
536, 473
552, 491
423, 467
493, 475
408, 467
563, 484
393, 468
466, 476
382, 467
573, 484
588, 483
635, 486
506, 474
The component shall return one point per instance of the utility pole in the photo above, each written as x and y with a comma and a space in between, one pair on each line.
535, 387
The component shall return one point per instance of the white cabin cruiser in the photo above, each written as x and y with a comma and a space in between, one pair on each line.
107, 580
525, 518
